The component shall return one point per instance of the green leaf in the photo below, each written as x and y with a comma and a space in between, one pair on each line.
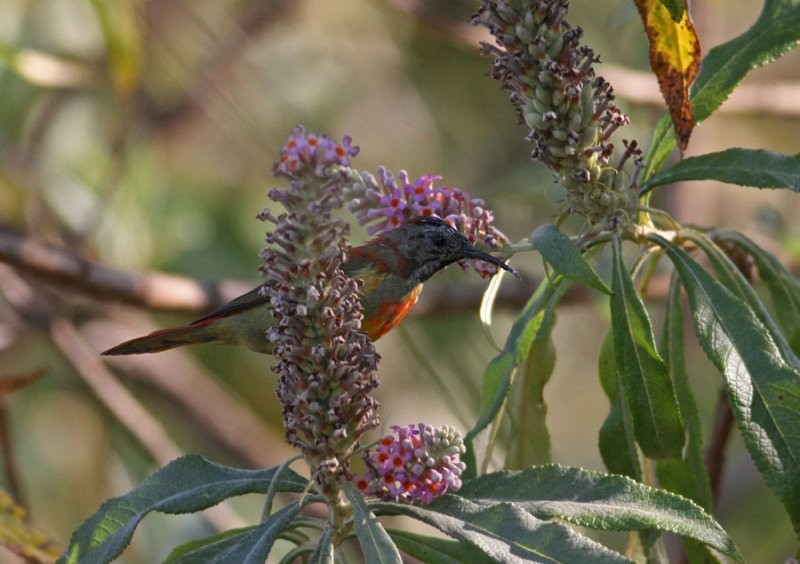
783, 286
732, 278
774, 33
616, 440
529, 438
687, 476
185, 485
533, 324
250, 545
323, 554
493, 505
375, 542
505, 532
645, 379
763, 388
565, 258
433, 550
598, 501
743, 167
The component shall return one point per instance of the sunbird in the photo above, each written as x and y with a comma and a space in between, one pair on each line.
393, 267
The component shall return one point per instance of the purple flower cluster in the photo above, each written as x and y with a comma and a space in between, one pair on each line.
386, 202
315, 152
419, 464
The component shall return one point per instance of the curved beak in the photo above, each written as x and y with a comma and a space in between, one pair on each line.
474, 253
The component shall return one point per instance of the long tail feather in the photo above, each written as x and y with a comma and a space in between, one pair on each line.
163, 340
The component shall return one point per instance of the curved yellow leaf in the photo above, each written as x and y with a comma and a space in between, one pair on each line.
675, 59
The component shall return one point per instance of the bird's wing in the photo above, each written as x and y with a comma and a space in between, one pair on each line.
253, 298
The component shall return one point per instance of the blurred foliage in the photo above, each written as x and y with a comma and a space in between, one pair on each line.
141, 133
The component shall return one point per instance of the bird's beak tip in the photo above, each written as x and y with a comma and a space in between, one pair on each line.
475, 253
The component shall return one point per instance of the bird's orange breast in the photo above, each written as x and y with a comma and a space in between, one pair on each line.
388, 315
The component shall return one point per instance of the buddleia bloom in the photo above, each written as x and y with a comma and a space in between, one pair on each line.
570, 111
384, 202
416, 463
326, 365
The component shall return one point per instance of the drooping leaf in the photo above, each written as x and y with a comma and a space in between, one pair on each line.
530, 438
743, 167
783, 286
534, 323
774, 33
645, 379
185, 485
323, 554
687, 476
376, 544
565, 258
250, 545
436, 550
598, 501
581, 497
674, 58
732, 278
763, 388
505, 532
616, 440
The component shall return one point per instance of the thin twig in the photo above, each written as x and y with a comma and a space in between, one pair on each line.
156, 290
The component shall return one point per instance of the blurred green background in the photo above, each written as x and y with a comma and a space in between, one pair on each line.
141, 133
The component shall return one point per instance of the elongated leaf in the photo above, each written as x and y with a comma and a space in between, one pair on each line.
376, 544
687, 476
505, 532
674, 58
534, 323
562, 254
187, 484
764, 389
732, 278
578, 496
616, 441
743, 167
645, 379
530, 438
599, 501
783, 286
323, 554
434, 550
774, 33
250, 545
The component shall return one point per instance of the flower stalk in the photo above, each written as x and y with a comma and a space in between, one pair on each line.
569, 110
326, 366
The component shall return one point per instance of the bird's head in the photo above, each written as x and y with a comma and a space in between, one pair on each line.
428, 244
